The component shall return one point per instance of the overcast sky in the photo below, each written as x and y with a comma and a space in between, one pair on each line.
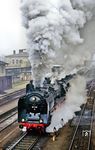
12, 34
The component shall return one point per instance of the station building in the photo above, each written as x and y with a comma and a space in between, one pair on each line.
3, 68
18, 66
5, 81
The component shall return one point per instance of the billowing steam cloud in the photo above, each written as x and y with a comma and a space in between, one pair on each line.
53, 30
74, 99
60, 32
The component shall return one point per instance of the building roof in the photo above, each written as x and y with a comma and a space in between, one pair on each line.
3, 63
24, 54
11, 68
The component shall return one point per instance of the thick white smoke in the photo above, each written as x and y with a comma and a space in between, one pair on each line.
74, 99
60, 32
53, 30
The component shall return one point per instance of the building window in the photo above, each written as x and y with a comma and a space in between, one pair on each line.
13, 61
16, 61
2, 69
21, 61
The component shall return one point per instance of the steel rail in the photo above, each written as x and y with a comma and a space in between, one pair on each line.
29, 147
10, 97
6, 126
90, 129
11, 94
11, 111
70, 147
14, 145
91, 125
8, 117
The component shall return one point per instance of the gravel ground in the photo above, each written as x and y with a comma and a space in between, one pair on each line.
62, 141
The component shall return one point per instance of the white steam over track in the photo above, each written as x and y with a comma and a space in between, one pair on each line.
74, 99
59, 32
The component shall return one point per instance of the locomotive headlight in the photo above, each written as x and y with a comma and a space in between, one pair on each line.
23, 120
41, 120
33, 98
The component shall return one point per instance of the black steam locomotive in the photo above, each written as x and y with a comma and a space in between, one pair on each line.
34, 109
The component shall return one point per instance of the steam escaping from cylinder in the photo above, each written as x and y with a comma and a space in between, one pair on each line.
53, 32
74, 99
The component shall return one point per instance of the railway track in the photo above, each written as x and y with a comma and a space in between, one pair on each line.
8, 121
5, 115
11, 96
25, 142
83, 132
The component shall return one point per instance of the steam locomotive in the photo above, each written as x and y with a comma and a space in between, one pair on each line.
34, 108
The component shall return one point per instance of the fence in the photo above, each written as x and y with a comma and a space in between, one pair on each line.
5, 83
